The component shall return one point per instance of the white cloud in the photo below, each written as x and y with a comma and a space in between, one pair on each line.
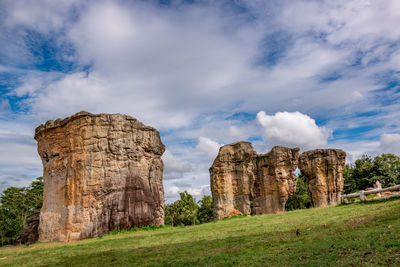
173, 167
172, 190
292, 129
208, 146
20, 161
200, 191
390, 143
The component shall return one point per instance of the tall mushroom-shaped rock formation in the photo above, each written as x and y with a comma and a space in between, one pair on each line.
101, 172
232, 179
324, 171
239, 176
275, 179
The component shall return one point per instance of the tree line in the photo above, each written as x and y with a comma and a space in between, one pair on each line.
17, 204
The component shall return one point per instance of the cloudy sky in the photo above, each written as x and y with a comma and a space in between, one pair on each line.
204, 73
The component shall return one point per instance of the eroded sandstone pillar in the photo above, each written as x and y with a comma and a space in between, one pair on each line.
232, 179
323, 169
239, 176
101, 172
275, 179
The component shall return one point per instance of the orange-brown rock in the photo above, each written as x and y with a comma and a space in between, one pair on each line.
239, 176
275, 179
232, 179
101, 172
323, 169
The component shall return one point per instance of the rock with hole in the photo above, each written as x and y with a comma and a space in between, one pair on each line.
323, 169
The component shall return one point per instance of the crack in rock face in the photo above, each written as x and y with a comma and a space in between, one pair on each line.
101, 172
323, 169
240, 176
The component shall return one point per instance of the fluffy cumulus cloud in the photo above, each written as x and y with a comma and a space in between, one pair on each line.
200, 72
390, 143
173, 167
293, 129
208, 146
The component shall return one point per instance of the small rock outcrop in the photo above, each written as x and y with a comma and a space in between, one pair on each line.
239, 175
101, 172
30, 234
323, 169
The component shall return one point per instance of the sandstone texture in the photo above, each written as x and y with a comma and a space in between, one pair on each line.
239, 175
324, 171
101, 172
30, 234
232, 179
275, 179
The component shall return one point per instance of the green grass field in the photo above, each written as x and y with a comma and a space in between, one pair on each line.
356, 234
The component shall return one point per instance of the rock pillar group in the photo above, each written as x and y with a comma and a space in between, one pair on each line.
239, 175
246, 182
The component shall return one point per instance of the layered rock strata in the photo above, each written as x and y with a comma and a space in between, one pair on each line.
101, 172
239, 175
323, 169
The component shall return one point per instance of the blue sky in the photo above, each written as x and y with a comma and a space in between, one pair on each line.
205, 73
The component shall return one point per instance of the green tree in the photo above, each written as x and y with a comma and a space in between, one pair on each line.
364, 172
357, 176
300, 199
386, 169
171, 213
183, 211
16, 205
187, 209
205, 213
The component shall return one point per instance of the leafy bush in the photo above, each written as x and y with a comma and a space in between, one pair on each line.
16, 205
300, 200
185, 211
182, 211
205, 213
364, 172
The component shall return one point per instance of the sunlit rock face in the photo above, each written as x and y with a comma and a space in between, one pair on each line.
101, 172
323, 169
239, 176
275, 179
232, 179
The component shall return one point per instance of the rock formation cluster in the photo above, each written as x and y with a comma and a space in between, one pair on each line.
101, 172
323, 169
104, 171
239, 175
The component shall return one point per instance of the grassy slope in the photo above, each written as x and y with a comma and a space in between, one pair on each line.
359, 234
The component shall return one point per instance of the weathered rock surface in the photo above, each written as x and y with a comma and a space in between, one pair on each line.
324, 171
239, 176
101, 172
30, 234
232, 179
275, 179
